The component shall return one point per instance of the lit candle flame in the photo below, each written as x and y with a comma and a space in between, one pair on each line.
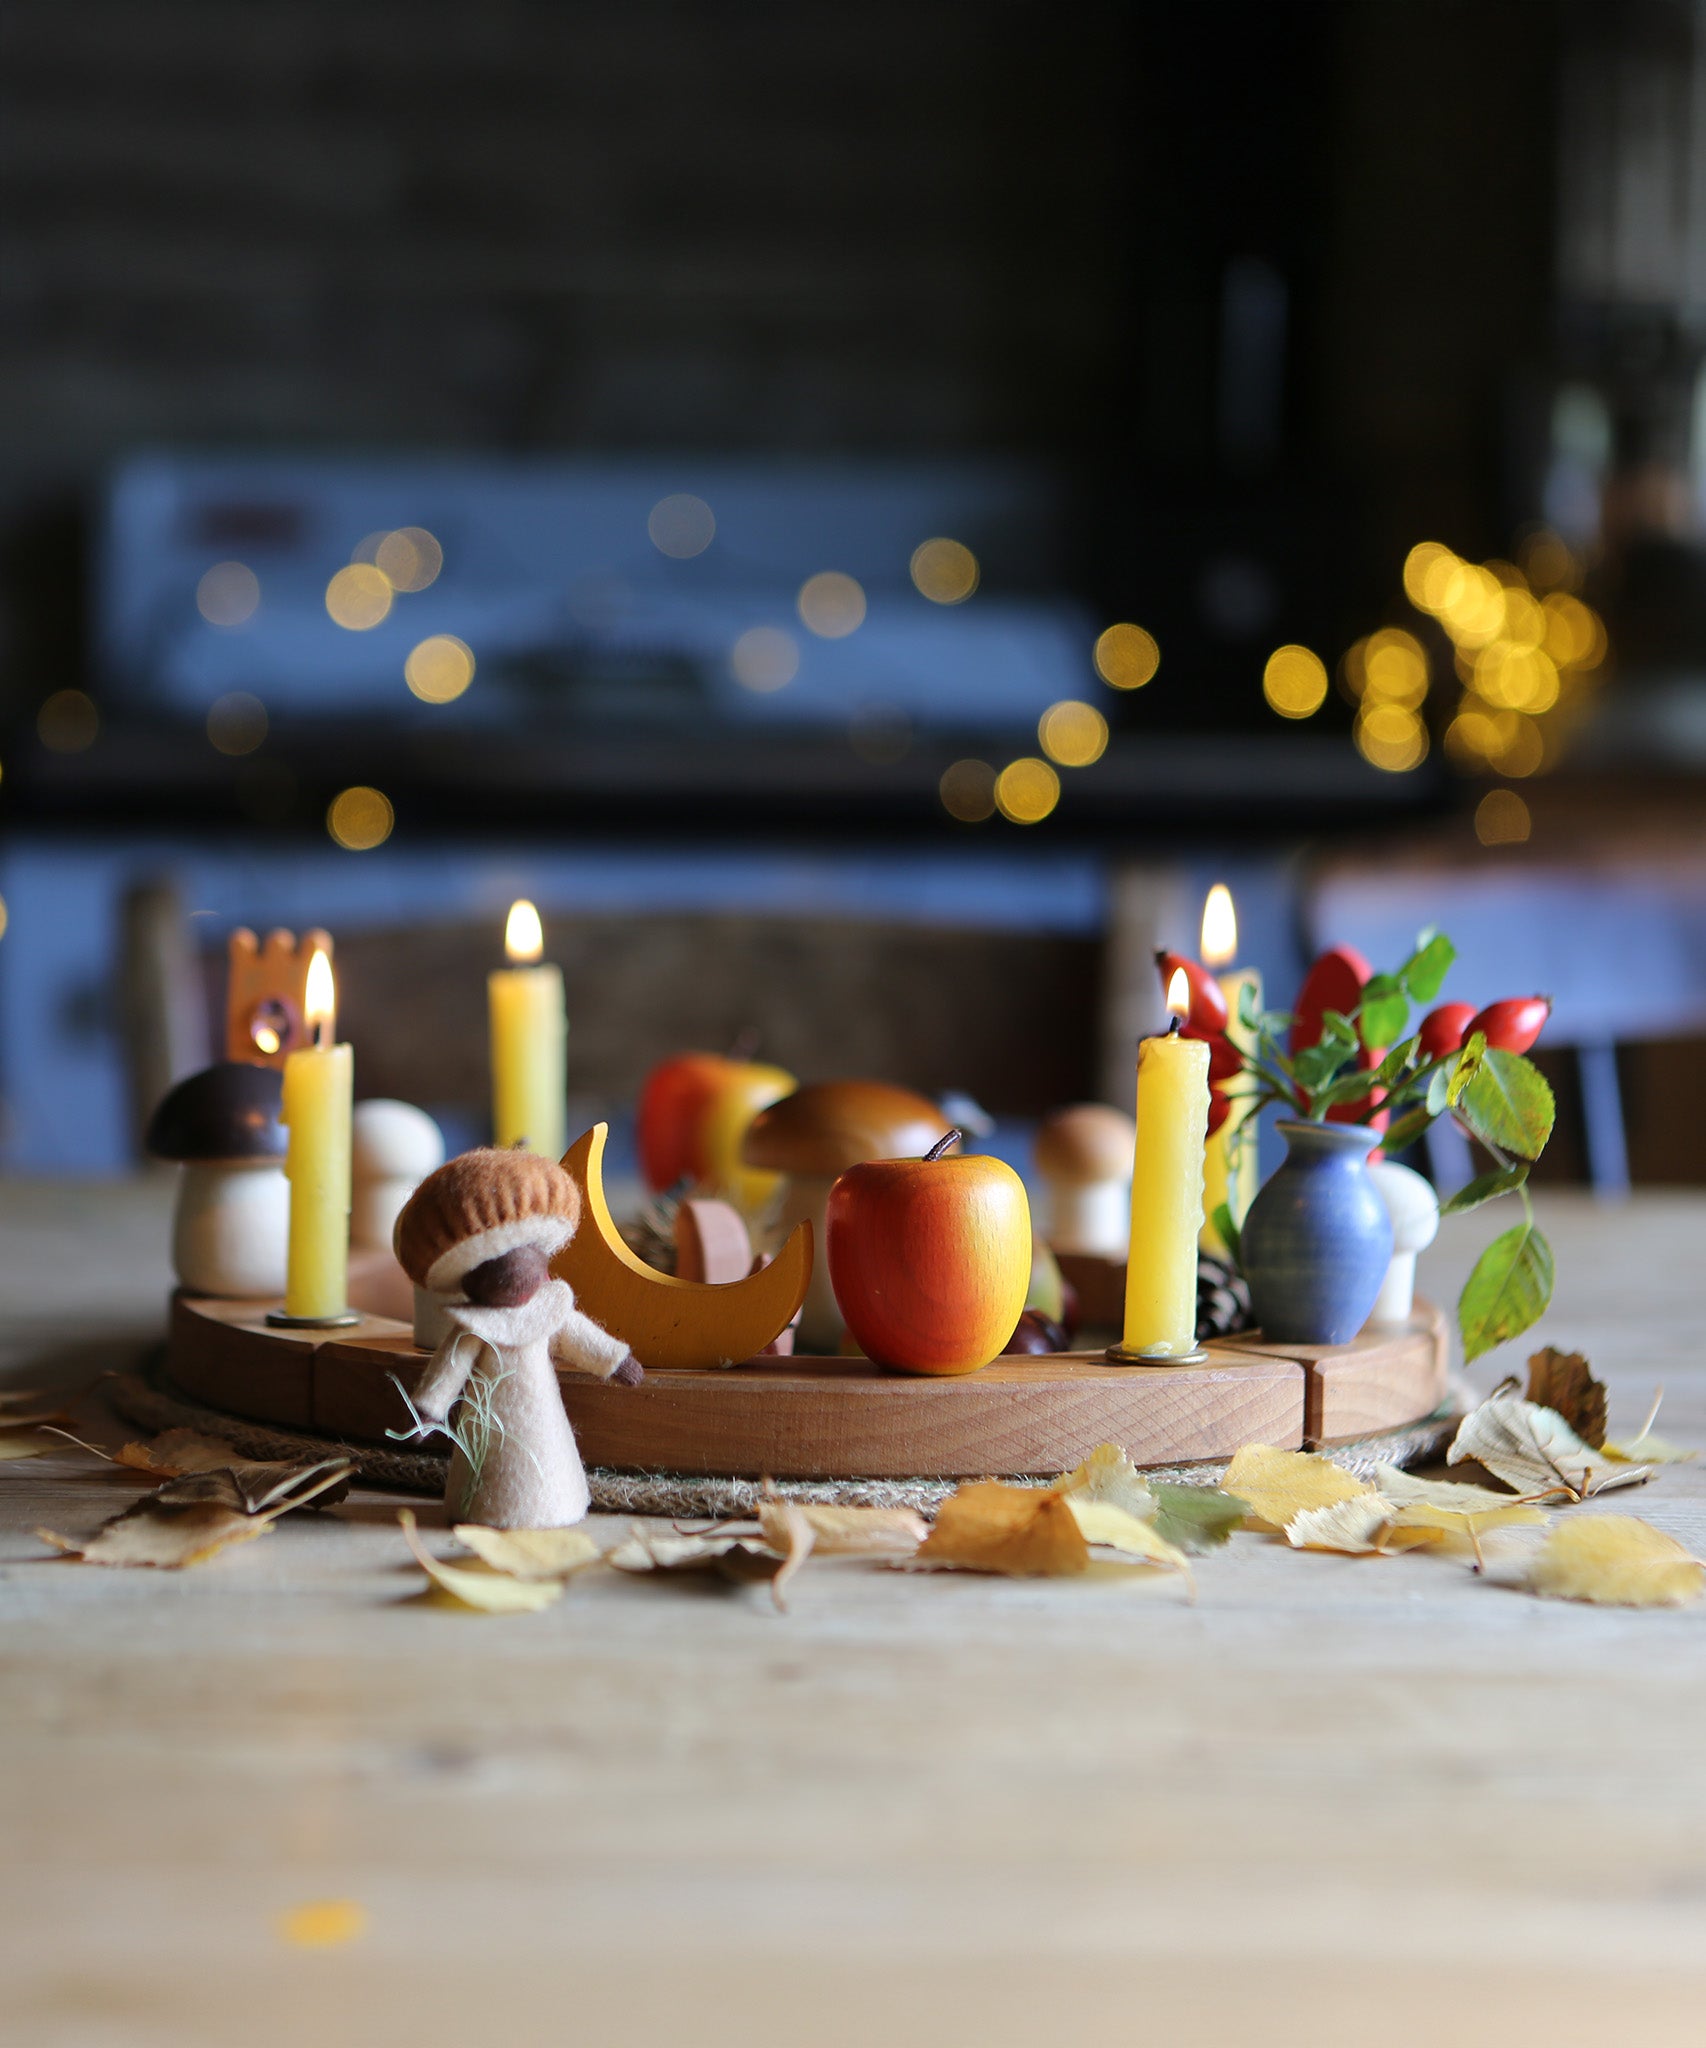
1179, 993
524, 938
1219, 928
319, 999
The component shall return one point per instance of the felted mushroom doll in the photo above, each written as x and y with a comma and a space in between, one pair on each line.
1084, 1156
480, 1233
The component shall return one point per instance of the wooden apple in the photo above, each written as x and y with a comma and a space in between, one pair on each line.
930, 1258
745, 1087
671, 1115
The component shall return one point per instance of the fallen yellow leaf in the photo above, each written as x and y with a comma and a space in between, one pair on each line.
735, 1558
1563, 1381
1448, 1509
25, 1443
1277, 1486
1535, 1451
177, 1451
1016, 1530
166, 1537
1646, 1449
529, 1553
477, 1587
1105, 1526
1615, 1561
1109, 1475
1350, 1526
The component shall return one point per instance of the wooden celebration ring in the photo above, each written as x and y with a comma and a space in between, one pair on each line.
826, 1418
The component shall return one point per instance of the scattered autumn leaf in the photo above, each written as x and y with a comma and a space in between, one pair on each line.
1109, 1475
177, 1451
29, 1407
1351, 1526
851, 1532
529, 1553
1104, 1526
166, 1537
1196, 1518
25, 1443
477, 1586
1535, 1451
1277, 1486
1615, 1561
738, 1559
256, 1488
1644, 1448
1018, 1530
1563, 1381
1456, 1514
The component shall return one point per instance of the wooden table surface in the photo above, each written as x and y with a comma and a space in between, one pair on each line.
1338, 1799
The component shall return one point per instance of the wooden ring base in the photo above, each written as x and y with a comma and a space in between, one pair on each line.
828, 1418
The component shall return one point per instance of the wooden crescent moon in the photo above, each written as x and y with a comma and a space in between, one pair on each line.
670, 1324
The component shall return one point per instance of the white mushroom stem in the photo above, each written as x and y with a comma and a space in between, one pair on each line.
1414, 1209
1090, 1217
804, 1200
231, 1228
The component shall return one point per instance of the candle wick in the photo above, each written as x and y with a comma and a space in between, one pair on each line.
1175, 1024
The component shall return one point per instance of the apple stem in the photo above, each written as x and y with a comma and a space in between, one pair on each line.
941, 1145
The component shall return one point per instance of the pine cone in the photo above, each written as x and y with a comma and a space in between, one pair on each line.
1223, 1298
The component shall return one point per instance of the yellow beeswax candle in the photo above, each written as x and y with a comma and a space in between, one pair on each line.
319, 1082
1166, 1197
529, 1041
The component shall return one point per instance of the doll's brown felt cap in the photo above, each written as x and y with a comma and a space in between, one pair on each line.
479, 1206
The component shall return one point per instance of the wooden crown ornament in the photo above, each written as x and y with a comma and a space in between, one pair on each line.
264, 997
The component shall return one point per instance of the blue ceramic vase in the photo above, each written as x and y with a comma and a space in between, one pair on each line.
1317, 1240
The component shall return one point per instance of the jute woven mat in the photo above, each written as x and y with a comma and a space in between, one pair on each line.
152, 1403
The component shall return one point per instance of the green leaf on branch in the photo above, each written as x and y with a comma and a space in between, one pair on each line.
1423, 974
1385, 1010
1339, 1030
1227, 1232
1405, 1131
1316, 1065
1467, 1067
1508, 1105
1351, 1087
1439, 1091
1507, 1292
1486, 1187
1392, 1067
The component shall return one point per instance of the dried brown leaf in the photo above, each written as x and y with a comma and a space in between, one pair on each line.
165, 1537
1563, 1381
1615, 1561
736, 1558
851, 1532
256, 1488
477, 1587
530, 1553
1017, 1530
1109, 1475
1277, 1486
177, 1451
16, 1401
1535, 1451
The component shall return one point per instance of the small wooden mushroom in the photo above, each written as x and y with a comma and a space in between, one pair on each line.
814, 1135
393, 1147
231, 1226
1084, 1157
480, 1234
1414, 1209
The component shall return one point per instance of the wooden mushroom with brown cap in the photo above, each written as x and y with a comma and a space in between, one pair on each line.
480, 1234
231, 1226
814, 1135
1084, 1158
